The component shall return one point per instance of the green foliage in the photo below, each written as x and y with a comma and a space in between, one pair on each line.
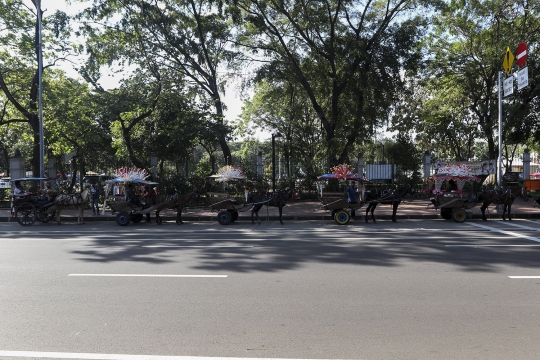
187, 36
458, 101
346, 63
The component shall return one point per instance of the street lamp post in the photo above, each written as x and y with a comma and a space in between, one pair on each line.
384, 163
274, 136
40, 92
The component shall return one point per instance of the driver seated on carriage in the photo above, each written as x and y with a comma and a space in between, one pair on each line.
48, 193
19, 194
131, 195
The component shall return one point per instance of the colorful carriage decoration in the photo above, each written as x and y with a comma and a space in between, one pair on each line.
454, 203
125, 210
228, 207
337, 203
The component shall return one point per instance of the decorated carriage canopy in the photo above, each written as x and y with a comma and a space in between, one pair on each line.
135, 181
130, 175
536, 175
458, 172
354, 177
341, 172
29, 179
229, 173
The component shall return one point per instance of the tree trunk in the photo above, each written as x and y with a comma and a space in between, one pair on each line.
221, 136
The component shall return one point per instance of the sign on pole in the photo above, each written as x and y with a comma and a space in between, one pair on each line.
521, 54
508, 61
523, 78
508, 86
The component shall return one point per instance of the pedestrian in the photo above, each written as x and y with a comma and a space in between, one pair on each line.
351, 197
149, 200
94, 190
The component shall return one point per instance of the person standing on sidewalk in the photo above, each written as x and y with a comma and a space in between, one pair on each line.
149, 200
351, 197
94, 190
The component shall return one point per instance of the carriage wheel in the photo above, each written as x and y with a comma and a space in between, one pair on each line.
224, 217
342, 217
26, 214
459, 215
44, 217
136, 218
234, 215
446, 214
123, 219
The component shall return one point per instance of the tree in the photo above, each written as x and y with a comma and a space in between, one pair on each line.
285, 109
468, 46
188, 36
18, 61
334, 50
73, 126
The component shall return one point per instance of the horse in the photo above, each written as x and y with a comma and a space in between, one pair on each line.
391, 197
176, 202
77, 200
279, 200
504, 196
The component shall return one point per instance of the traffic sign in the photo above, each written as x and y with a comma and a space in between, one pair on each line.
521, 54
508, 61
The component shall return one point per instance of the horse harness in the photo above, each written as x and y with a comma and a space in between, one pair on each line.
73, 199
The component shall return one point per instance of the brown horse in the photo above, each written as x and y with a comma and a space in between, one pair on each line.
77, 200
391, 197
178, 203
279, 200
504, 196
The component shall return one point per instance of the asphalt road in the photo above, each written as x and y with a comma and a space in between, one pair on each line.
430, 289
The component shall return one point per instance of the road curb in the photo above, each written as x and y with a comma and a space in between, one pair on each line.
208, 218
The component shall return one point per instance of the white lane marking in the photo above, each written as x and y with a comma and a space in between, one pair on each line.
524, 277
151, 275
89, 356
511, 233
492, 245
519, 226
197, 246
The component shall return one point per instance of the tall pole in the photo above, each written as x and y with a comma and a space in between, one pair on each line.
499, 172
273, 164
40, 93
274, 136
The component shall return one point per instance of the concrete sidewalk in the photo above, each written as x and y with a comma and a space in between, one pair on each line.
309, 210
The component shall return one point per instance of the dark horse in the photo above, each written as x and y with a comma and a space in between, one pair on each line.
391, 197
178, 203
279, 200
504, 196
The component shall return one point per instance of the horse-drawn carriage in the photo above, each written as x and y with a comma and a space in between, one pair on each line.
338, 202
127, 212
227, 204
458, 198
129, 208
29, 205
